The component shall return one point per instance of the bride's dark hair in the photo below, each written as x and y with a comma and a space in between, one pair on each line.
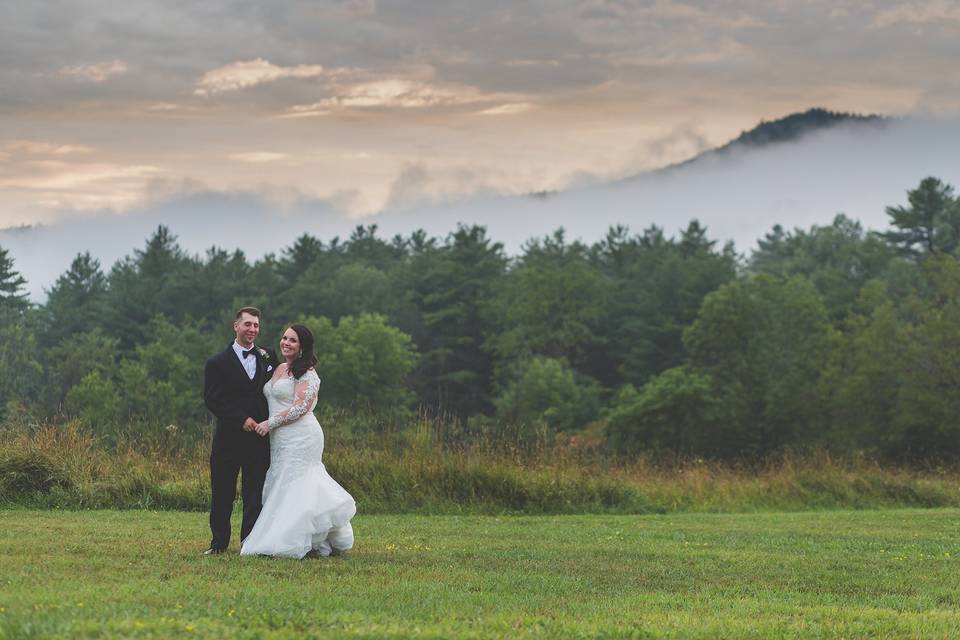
307, 358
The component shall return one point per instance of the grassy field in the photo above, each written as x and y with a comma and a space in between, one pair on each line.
105, 574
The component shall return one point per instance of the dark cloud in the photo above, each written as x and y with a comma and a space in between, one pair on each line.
502, 45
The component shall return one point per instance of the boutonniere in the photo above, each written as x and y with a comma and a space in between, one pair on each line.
262, 352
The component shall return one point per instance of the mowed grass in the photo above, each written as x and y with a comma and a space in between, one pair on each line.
106, 574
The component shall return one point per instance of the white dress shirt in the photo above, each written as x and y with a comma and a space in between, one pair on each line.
250, 362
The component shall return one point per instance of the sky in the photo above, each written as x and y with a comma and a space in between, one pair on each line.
347, 111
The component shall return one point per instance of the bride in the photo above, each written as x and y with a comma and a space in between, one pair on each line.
305, 512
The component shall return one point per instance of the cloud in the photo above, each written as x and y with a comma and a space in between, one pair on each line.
257, 156
681, 142
33, 147
360, 8
165, 107
506, 109
421, 185
723, 51
249, 73
400, 93
918, 13
81, 186
95, 72
306, 111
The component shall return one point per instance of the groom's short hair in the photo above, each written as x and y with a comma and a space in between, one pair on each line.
251, 310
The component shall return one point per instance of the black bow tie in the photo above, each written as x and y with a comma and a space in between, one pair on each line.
246, 353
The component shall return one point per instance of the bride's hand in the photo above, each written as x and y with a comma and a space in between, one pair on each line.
263, 428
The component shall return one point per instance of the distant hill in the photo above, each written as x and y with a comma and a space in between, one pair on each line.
797, 125
787, 129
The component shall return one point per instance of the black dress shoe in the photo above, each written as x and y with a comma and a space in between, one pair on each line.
213, 551
313, 553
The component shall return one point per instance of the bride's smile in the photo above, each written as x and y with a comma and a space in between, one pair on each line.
290, 345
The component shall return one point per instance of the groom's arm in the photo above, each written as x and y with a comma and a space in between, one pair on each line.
215, 397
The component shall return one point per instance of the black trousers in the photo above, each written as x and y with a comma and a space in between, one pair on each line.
226, 463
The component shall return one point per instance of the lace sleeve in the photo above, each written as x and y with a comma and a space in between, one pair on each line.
304, 398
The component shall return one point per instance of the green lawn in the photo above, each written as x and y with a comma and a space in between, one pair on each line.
822, 574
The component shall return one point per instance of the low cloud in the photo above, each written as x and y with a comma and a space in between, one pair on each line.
738, 196
681, 142
242, 75
420, 185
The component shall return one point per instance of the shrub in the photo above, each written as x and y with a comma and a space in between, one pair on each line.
547, 393
30, 472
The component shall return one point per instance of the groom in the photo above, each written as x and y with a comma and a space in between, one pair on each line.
233, 391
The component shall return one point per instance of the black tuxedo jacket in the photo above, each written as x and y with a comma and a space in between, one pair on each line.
233, 397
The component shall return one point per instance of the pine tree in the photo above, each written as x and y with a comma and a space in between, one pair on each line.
12, 298
76, 301
930, 224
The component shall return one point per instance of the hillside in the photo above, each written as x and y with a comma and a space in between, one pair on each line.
789, 128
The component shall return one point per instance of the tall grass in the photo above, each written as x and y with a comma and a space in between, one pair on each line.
420, 470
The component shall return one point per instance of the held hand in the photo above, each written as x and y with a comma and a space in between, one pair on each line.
249, 424
263, 428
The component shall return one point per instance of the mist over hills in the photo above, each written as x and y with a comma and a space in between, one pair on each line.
796, 171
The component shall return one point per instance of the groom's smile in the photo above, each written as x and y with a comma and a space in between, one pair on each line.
247, 328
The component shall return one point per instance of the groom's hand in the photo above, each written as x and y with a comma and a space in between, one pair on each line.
249, 424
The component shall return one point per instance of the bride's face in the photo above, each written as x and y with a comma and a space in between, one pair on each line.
290, 344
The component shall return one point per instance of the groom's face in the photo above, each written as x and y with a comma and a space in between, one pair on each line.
247, 327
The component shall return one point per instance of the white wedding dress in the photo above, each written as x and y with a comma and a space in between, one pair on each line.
303, 507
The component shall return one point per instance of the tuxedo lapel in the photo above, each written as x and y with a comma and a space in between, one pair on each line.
261, 365
265, 367
237, 366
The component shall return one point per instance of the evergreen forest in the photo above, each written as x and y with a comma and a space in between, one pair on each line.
835, 337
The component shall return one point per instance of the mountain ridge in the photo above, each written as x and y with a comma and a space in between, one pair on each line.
789, 128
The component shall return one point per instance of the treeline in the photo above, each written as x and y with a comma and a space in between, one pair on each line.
834, 337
